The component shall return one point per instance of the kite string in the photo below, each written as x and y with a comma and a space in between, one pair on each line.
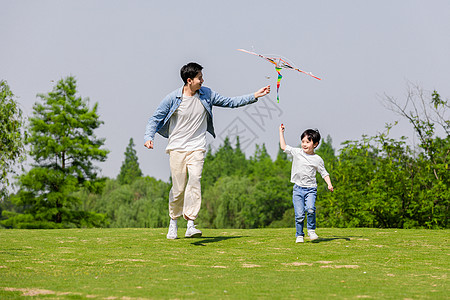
278, 82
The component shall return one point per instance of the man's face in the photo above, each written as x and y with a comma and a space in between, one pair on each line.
196, 82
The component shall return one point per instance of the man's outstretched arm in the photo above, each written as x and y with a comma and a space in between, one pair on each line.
219, 100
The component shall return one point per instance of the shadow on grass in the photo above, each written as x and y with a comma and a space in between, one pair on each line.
329, 239
207, 240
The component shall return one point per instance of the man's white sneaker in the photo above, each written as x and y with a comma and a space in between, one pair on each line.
299, 239
312, 235
193, 232
172, 234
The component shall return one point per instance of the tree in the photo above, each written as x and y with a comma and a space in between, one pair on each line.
143, 203
428, 114
129, 171
326, 151
424, 113
384, 182
244, 193
225, 162
371, 179
11, 135
64, 148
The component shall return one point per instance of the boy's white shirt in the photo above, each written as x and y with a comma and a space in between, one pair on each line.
188, 124
305, 166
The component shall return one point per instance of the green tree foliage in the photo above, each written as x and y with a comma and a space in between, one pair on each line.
428, 114
64, 148
129, 171
383, 182
227, 203
143, 203
244, 193
225, 162
11, 135
368, 178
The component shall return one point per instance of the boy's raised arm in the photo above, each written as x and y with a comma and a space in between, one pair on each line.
282, 140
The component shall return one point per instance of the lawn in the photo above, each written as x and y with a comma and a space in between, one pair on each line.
224, 264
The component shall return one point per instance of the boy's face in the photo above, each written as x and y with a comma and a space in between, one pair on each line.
196, 82
308, 145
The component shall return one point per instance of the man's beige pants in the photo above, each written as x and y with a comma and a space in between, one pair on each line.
185, 196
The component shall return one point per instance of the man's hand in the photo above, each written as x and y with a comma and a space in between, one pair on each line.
149, 144
262, 92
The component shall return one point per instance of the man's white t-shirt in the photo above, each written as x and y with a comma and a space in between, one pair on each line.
188, 124
305, 166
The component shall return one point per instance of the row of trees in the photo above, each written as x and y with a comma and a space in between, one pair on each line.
379, 181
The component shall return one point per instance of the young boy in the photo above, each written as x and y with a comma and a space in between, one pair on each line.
305, 164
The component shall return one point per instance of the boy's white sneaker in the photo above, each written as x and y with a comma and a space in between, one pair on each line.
172, 234
312, 235
299, 239
193, 232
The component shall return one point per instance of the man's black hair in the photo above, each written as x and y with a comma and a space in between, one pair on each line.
312, 134
190, 71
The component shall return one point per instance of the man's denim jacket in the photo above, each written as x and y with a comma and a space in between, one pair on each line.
159, 122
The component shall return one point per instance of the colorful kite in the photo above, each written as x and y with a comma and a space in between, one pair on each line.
279, 63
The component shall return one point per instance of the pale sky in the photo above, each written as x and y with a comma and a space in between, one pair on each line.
126, 55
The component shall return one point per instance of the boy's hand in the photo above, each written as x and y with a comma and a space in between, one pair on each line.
281, 128
330, 187
262, 92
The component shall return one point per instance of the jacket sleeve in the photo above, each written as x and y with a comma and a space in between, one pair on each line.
156, 121
219, 100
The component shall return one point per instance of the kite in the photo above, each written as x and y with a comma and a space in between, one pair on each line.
280, 63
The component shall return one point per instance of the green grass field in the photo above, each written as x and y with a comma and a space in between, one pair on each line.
224, 263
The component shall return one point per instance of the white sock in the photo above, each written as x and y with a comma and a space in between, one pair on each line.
190, 223
173, 222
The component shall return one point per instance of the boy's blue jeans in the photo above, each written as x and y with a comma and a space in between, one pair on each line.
304, 200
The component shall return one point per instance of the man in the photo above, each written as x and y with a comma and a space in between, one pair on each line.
184, 116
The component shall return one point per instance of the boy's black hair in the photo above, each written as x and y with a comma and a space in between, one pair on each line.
312, 134
190, 70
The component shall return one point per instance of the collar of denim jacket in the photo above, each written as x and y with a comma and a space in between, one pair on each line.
179, 93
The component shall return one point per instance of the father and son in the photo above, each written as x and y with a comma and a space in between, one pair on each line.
185, 115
